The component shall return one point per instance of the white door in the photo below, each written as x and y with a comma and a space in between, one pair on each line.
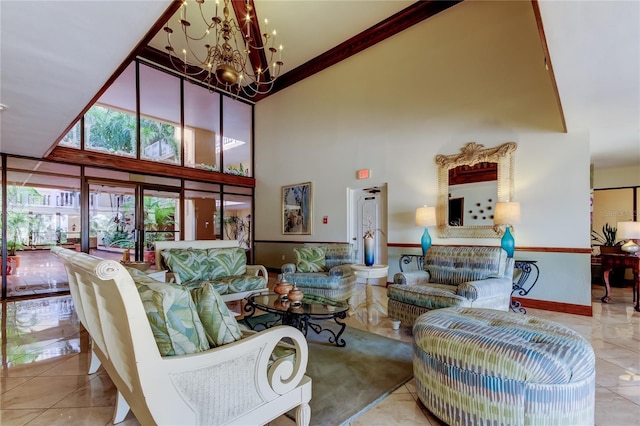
368, 205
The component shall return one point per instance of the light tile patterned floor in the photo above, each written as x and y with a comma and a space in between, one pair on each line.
43, 379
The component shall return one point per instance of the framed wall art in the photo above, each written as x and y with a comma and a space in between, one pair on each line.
296, 209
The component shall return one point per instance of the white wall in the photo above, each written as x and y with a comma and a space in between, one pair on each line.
472, 73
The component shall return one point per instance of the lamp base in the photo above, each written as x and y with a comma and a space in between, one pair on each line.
426, 241
630, 247
508, 243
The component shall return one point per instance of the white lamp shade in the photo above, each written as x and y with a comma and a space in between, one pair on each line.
507, 213
426, 216
629, 230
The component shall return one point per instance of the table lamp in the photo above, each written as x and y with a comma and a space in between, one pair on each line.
425, 216
630, 231
507, 214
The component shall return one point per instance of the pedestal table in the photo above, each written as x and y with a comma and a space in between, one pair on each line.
369, 272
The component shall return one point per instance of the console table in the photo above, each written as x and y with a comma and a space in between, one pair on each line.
610, 261
406, 259
521, 287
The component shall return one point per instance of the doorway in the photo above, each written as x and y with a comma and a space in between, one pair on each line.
131, 217
368, 207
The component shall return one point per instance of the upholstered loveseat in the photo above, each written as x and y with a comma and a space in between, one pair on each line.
219, 262
471, 276
323, 270
178, 356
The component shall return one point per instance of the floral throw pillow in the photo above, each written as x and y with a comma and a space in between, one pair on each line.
226, 262
189, 264
172, 315
309, 259
219, 324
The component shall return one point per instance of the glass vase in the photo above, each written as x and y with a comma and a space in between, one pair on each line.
369, 251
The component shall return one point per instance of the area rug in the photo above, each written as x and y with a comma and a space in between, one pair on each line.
348, 381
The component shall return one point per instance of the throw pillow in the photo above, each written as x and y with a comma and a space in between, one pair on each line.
309, 259
172, 316
226, 262
220, 325
189, 264
339, 254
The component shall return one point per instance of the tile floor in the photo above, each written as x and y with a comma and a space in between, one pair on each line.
43, 378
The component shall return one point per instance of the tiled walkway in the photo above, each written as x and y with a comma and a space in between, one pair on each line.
40, 272
43, 379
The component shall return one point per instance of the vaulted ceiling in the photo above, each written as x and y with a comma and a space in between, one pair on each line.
52, 68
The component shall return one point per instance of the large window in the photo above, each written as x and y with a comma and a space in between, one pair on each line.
179, 123
72, 139
110, 130
202, 127
159, 116
237, 222
124, 212
150, 115
43, 210
236, 141
110, 125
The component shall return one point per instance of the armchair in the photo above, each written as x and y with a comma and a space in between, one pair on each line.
235, 383
477, 277
323, 270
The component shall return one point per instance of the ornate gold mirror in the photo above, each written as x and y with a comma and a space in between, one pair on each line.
469, 185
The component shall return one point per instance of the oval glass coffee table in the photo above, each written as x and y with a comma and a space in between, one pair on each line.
303, 316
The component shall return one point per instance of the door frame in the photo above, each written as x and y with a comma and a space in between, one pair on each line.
354, 232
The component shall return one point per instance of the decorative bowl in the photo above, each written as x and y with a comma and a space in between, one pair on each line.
296, 295
283, 288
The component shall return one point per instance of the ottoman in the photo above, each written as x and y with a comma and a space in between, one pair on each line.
486, 367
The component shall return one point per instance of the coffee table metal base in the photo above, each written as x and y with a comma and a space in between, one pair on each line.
302, 321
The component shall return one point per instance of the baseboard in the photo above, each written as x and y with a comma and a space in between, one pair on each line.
546, 305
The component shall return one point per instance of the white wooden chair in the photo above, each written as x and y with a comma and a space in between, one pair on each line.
231, 384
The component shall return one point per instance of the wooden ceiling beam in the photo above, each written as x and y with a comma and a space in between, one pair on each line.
257, 57
402, 20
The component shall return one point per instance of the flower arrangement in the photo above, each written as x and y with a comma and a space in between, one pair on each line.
370, 231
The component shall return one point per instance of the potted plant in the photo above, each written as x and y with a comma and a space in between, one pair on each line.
16, 220
607, 239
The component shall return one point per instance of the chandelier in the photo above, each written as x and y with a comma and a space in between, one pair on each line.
222, 52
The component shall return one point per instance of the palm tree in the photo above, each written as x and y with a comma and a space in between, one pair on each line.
115, 131
152, 131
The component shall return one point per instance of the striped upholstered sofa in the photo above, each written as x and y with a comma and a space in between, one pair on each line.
471, 276
323, 270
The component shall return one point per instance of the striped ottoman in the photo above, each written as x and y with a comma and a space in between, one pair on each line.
486, 367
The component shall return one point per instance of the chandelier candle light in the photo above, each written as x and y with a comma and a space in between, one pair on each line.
228, 54
507, 214
425, 216
630, 231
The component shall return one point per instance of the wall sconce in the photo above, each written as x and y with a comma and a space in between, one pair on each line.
425, 216
507, 214
630, 231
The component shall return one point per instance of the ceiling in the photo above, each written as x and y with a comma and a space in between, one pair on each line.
51, 69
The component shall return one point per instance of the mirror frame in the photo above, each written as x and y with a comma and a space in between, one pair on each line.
471, 154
